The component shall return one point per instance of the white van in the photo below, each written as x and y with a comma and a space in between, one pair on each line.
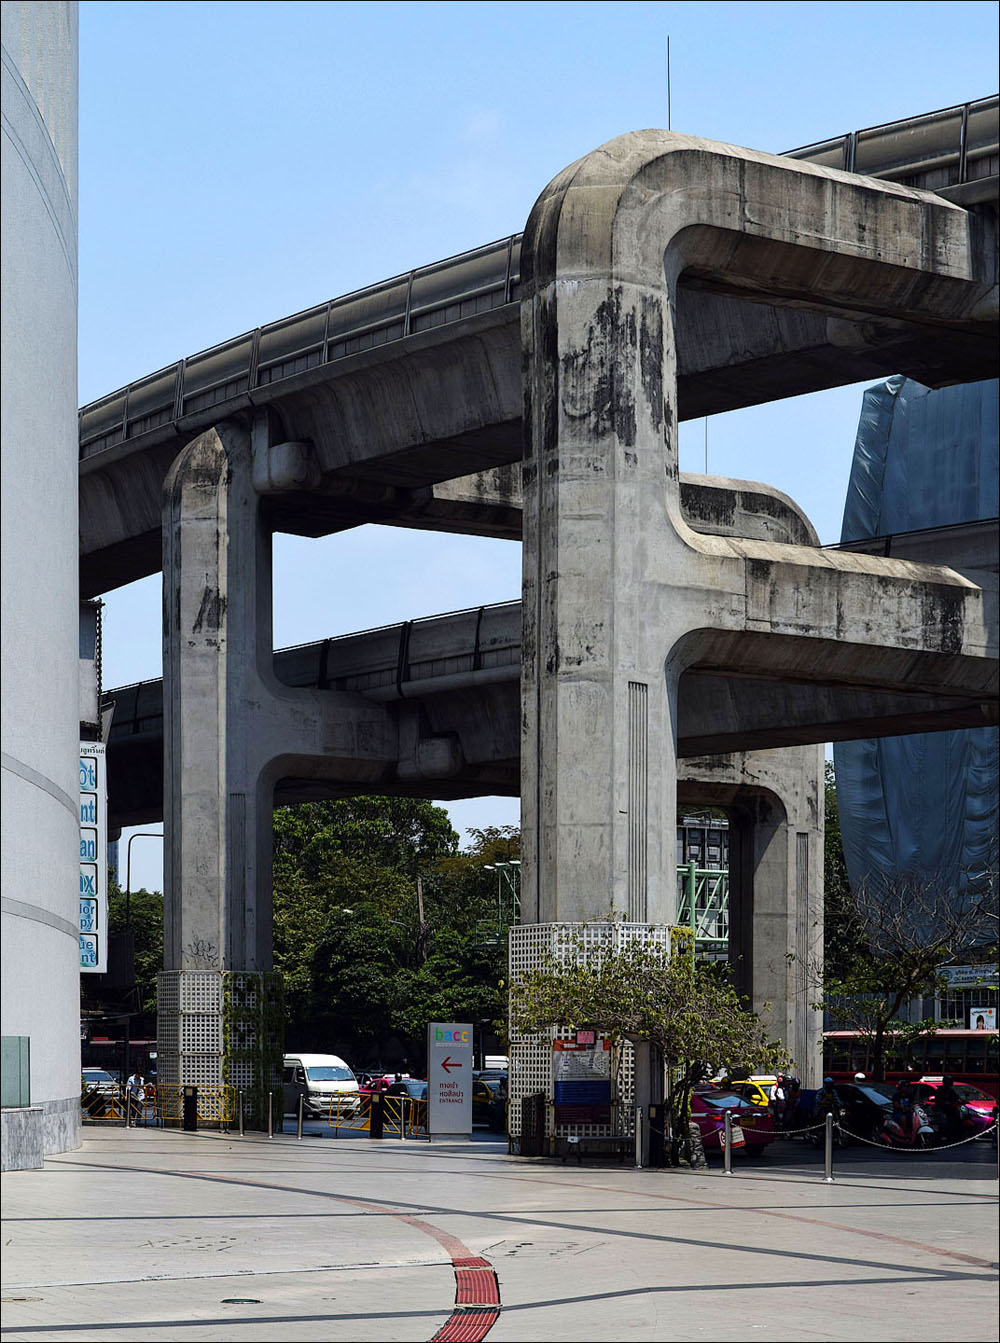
319, 1078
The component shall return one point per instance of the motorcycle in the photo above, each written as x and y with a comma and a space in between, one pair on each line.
907, 1127
967, 1124
817, 1136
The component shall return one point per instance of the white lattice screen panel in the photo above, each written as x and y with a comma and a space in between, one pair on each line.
531, 946
189, 1027
201, 1070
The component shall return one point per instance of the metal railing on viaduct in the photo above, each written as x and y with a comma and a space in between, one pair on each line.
953, 151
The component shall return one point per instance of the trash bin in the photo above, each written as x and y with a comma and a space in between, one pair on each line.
376, 1115
533, 1124
190, 1113
658, 1146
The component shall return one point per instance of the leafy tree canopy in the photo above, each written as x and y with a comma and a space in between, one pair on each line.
381, 924
907, 929
694, 1019
405, 834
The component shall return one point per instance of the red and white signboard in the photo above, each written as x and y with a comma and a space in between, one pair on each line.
449, 1078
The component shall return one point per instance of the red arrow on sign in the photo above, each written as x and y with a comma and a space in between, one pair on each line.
448, 1063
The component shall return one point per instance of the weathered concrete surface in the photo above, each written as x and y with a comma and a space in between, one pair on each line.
742, 351
775, 803
448, 693
390, 423
22, 1144
454, 676
621, 597
230, 728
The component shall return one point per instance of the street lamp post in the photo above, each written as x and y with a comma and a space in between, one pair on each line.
508, 875
130, 958
139, 834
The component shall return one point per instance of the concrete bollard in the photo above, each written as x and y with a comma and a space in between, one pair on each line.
828, 1149
727, 1144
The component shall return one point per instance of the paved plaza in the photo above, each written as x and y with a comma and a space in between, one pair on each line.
162, 1235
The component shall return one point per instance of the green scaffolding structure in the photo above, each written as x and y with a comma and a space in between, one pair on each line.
703, 906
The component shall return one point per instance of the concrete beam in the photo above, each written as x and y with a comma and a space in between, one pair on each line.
392, 422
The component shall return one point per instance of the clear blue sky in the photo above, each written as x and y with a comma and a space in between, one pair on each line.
241, 161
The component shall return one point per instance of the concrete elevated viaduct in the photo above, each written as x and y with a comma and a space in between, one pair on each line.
659, 276
451, 688
404, 387
461, 672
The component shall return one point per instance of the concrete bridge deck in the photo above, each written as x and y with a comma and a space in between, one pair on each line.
417, 380
464, 669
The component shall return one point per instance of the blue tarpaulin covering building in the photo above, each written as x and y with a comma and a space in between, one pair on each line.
926, 804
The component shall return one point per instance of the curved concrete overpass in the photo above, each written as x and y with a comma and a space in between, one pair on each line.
417, 380
462, 668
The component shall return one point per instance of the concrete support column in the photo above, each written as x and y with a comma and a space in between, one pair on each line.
599, 732
230, 732
774, 801
621, 597
216, 572
217, 805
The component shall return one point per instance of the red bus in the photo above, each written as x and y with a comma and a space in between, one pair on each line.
969, 1056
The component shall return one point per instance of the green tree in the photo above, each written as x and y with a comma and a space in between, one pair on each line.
398, 833
843, 940
144, 912
887, 941
381, 924
695, 1021
130, 986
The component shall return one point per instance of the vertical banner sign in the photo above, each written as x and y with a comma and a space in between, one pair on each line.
93, 859
449, 1078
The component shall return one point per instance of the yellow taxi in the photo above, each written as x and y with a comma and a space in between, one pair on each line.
758, 1090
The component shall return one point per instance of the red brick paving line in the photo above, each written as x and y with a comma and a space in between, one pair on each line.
477, 1292
477, 1303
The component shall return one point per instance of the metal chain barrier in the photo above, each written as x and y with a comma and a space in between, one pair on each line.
791, 1132
938, 1147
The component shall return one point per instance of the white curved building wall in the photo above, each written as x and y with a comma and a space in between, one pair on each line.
40, 720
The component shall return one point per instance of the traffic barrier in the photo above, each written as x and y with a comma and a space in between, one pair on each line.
103, 1107
829, 1124
402, 1116
215, 1105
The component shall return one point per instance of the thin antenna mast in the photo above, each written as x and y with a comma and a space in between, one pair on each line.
668, 85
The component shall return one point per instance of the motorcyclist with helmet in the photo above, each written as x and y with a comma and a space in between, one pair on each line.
948, 1105
828, 1102
827, 1098
902, 1124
